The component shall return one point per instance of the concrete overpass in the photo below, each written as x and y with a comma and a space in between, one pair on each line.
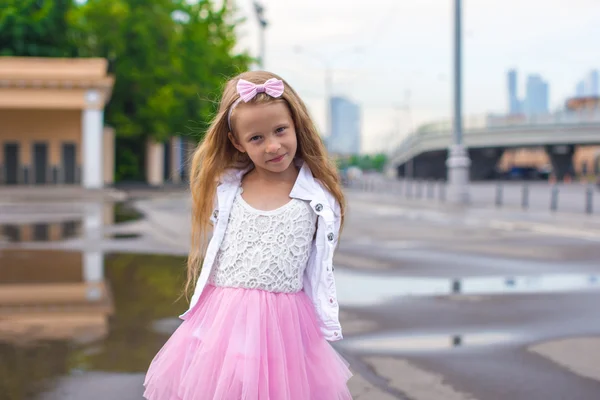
425, 151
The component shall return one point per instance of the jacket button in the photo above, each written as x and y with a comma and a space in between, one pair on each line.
215, 214
335, 333
319, 207
330, 237
331, 301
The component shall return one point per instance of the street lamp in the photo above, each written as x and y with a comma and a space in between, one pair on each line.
458, 161
259, 9
328, 80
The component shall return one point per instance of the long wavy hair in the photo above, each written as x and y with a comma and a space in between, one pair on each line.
215, 154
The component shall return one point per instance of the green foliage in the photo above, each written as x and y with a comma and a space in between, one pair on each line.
366, 163
37, 28
170, 59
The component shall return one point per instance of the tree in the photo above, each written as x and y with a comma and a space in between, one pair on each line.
367, 162
170, 58
378, 162
37, 28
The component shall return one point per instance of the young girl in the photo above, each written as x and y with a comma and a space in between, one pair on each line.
264, 304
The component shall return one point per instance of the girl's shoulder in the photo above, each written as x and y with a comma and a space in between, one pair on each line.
331, 199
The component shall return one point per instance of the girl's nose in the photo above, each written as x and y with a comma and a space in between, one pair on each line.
273, 146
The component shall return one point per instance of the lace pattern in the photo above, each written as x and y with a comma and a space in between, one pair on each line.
265, 250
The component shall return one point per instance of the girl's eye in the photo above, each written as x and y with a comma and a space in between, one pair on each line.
281, 129
254, 138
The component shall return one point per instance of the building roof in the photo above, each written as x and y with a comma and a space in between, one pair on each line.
55, 72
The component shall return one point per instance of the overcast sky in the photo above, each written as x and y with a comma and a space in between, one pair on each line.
407, 47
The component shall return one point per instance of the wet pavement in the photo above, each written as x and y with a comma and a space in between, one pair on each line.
436, 302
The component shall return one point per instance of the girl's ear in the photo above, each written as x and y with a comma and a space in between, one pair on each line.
235, 142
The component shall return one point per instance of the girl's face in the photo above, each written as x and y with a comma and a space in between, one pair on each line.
267, 134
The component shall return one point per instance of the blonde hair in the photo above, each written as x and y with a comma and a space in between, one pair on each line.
216, 153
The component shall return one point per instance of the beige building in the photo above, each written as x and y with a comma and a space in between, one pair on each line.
586, 159
52, 122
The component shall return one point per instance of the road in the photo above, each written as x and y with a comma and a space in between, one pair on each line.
470, 304
437, 302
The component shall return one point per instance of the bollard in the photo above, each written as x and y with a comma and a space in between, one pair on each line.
430, 189
409, 189
554, 198
525, 197
499, 195
442, 191
589, 200
419, 189
456, 286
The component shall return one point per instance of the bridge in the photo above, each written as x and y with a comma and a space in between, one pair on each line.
426, 150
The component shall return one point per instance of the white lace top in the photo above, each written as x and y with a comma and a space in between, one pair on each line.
265, 250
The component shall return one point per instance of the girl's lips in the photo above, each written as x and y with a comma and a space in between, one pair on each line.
276, 160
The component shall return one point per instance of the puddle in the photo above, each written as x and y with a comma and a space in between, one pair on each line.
125, 212
396, 343
123, 235
93, 217
70, 312
41, 232
359, 289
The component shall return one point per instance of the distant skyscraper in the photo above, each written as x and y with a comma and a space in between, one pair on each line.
580, 89
537, 96
593, 83
513, 99
589, 85
345, 127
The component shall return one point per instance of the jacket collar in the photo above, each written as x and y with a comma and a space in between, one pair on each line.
305, 187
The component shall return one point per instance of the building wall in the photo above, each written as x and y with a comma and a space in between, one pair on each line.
588, 156
50, 126
538, 158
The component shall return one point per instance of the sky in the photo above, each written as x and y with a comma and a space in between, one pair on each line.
395, 57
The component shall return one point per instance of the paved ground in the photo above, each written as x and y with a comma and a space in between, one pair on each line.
438, 302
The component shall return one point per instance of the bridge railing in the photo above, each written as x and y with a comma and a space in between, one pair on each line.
491, 123
479, 122
536, 196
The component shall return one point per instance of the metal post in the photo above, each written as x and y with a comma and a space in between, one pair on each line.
458, 162
554, 198
589, 199
443, 192
499, 193
525, 198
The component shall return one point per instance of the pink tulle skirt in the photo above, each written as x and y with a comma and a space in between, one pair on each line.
241, 344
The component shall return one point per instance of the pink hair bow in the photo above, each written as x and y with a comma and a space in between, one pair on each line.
247, 90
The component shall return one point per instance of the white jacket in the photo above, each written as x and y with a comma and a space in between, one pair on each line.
319, 283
